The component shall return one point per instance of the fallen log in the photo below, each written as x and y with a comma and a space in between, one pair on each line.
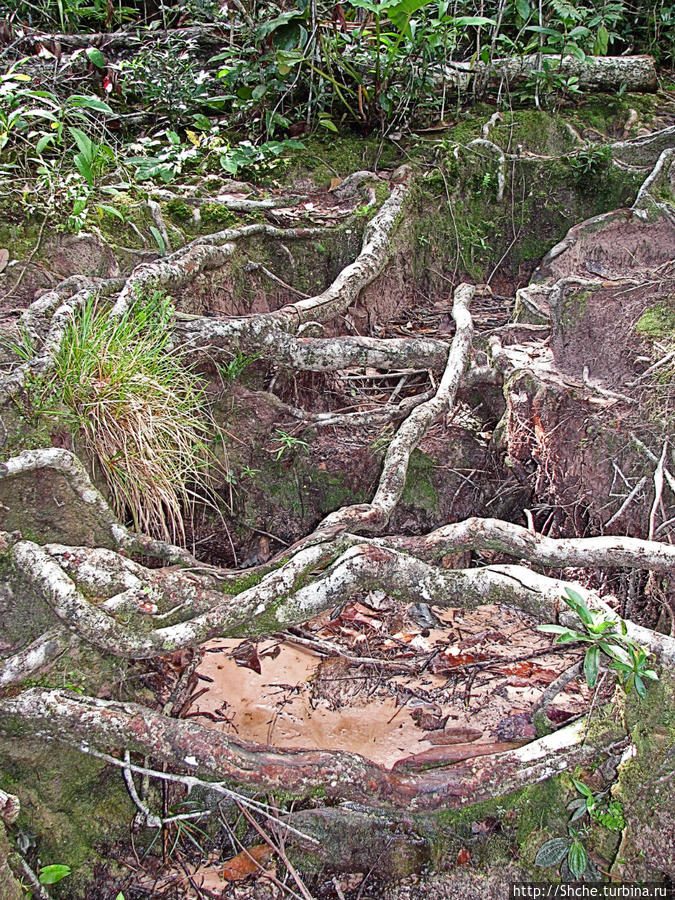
594, 73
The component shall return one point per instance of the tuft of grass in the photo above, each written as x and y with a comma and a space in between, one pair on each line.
140, 409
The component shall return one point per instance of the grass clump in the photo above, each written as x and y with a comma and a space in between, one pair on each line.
140, 408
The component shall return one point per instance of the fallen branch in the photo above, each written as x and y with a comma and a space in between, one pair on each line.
594, 73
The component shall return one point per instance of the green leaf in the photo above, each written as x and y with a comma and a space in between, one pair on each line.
466, 21
591, 662
330, 125
554, 629
89, 103
201, 122
84, 144
523, 9
229, 164
640, 687
111, 210
582, 788
52, 874
43, 142
579, 812
159, 239
577, 859
578, 604
601, 42
552, 852
95, 56
83, 167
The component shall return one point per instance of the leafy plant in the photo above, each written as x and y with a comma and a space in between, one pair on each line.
231, 370
608, 636
92, 157
53, 874
608, 813
287, 442
568, 850
139, 407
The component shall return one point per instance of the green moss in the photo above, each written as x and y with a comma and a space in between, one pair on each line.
216, 214
75, 805
419, 490
573, 308
657, 322
179, 210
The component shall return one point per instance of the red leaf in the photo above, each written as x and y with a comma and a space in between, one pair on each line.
463, 857
246, 656
247, 862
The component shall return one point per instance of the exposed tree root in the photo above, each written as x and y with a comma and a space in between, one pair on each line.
505, 537
88, 722
142, 613
67, 464
374, 516
277, 602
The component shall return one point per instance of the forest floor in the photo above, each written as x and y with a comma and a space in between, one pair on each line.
396, 354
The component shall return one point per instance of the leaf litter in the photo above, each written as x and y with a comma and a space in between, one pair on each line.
371, 678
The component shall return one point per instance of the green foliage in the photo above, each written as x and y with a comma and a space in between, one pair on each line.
569, 853
630, 661
139, 408
287, 443
53, 874
165, 78
589, 164
231, 370
165, 155
607, 812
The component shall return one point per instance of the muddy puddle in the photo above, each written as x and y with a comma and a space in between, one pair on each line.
376, 679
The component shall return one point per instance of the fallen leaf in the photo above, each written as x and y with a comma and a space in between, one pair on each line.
559, 715
495, 636
246, 656
247, 862
452, 657
516, 727
527, 670
463, 857
455, 735
335, 183
430, 718
4, 258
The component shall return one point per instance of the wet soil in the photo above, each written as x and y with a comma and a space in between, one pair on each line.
472, 680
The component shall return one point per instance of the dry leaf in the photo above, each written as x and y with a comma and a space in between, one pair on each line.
516, 727
246, 656
247, 862
4, 258
335, 183
455, 735
463, 857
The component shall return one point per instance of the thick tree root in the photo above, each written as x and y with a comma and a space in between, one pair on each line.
87, 722
277, 602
